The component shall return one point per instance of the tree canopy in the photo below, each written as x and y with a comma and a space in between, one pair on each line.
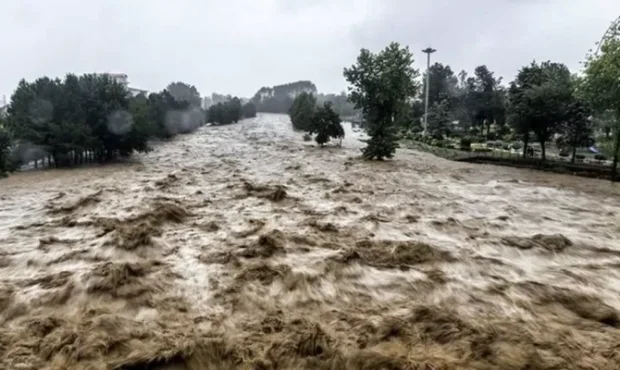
601, 87
225, 113
381, 85
92, 117
539, 99
301, 111
326, 124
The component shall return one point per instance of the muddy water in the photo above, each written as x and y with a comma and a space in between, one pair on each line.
244, 247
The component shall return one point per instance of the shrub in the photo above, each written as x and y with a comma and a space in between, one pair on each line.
481, 150
516, 145
307, 137
580, 157
600, 157
465, 143
563, 153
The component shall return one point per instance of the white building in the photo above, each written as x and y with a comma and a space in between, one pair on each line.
122, 79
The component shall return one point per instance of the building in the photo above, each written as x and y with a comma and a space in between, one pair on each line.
122, 79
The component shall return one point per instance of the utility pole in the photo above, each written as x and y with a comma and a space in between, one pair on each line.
428, 52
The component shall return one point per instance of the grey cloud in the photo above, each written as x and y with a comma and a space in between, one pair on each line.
238, 46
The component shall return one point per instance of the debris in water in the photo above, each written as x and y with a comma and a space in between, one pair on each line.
552, 243
267, 245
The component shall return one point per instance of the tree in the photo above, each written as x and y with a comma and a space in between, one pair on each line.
439, 119
326, 124
225, 113
5, 150
576, 131
183, 92
443, 86
249, 110
539, 99
601, 87
302, 110
380, 85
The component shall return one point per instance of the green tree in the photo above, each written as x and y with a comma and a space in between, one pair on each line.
326, 124
301, 111
183, 92
439, 119
380, 85
577, 129
225, 113
249, 110
5, 150
443, 86
539, 99
601, 87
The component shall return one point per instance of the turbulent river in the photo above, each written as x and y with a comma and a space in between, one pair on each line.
242, 246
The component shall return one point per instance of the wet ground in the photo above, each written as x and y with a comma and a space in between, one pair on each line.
244, 247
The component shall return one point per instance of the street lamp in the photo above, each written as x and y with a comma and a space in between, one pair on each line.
428, 52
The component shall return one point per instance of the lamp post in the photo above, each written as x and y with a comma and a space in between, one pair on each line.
428, 52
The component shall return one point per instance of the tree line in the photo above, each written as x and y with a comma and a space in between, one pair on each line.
280, 98
93, 118
544, 102
230, 111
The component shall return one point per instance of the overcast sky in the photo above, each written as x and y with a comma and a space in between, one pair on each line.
237, 46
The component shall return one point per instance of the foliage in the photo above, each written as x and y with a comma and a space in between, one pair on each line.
183, 92
380, 85
465, 143
439, 120
601, 87
539, 99
279, 98
326, 124
5, 150
225, 113
576, 130
442, 87
249, 110
302, 110
92, 117
71, 116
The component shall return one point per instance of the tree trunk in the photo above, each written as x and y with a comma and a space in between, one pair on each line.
572, 160
542, 149
36, 163
525, 142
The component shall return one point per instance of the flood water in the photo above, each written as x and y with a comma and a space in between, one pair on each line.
243, 246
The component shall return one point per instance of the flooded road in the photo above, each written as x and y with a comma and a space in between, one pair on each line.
244, 247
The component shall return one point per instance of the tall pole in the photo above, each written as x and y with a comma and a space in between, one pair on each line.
428, 52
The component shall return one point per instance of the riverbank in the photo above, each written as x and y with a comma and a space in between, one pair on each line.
589, 170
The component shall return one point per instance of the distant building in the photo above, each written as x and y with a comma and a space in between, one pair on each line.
122, 79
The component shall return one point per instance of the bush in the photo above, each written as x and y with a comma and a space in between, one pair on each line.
465, 143
481, 150
516, 145
307, 137
440, 144
580, 157
563, 153
600, 157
